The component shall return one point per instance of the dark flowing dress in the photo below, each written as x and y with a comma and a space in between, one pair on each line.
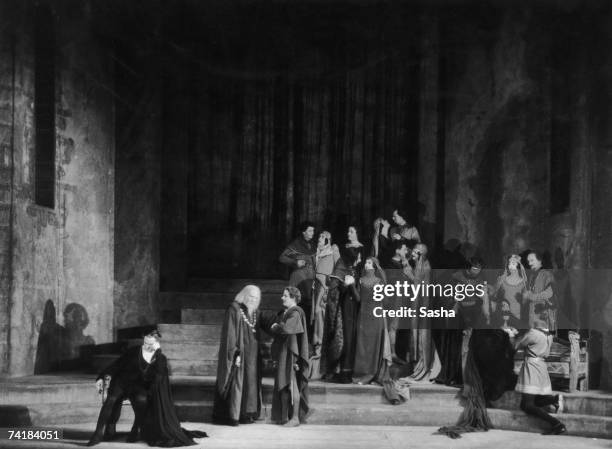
290, 351
489, 371
372, 353
161, 424
238, 388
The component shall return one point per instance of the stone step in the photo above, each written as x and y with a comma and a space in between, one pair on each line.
190, 351
406, 415
48, 389
59, 413
583, 403
200, 367
235, 285
322, 393
174, 333
202, 316
212, 300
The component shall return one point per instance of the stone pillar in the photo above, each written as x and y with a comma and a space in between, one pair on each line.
6, 166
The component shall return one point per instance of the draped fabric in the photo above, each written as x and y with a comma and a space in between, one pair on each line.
284, 130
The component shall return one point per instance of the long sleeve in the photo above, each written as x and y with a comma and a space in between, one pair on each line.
543, 295
288, 258
290, 324
266, 318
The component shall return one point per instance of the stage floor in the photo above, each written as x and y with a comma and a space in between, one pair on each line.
268, 436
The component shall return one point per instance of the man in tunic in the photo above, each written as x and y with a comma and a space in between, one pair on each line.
290, 351
534, 380
299, 256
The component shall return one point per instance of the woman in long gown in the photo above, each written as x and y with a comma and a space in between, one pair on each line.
422, 349
238, 386
511, 287
326, 257
161, 425
340, 318
373, 353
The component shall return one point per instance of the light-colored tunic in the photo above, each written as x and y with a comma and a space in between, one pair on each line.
533, 377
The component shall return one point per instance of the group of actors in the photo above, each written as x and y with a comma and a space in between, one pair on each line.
350, 343
327, 330
141, 375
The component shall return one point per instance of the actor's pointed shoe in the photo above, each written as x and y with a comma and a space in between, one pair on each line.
557, 429
293, 422
95, 439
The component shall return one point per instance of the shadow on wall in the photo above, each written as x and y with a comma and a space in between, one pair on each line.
63, 347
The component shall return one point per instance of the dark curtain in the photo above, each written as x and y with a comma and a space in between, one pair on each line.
286, 122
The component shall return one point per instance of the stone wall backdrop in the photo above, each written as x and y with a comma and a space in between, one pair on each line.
138, 99
6, 165
62, 293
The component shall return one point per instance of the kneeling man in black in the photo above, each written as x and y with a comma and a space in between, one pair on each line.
128, 379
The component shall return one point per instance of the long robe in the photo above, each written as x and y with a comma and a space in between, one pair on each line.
290, 351
161, 425
422, 346
326, 259
238, 388
372, 352
543, 305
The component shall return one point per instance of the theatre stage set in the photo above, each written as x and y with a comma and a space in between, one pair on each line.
157, 155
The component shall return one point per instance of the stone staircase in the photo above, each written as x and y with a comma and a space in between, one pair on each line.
62, 400
191, 343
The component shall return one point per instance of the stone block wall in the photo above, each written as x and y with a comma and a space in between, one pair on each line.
61, 274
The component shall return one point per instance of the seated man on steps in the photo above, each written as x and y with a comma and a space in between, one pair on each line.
127, 380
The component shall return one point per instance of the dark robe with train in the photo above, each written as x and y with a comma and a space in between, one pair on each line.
372, 353
290, 351
147, 386
161, 425
340, 321
238, 388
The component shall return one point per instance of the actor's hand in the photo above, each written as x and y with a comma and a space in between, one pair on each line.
238, 361
99, 385
296, 367
349, 280
301, 263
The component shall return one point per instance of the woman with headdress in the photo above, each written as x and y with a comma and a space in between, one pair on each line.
341, 316
385, 235
325, 259
510, 286
238, 386
373, 353
422, 348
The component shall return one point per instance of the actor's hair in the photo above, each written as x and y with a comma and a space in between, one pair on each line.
397, 244
405, 214
378, 271
153, 333
305, 225
476, 261
242, 294
294, 293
